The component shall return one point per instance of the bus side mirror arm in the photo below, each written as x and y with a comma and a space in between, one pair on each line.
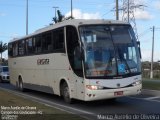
139, 48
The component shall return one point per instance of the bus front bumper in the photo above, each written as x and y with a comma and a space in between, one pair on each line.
92, 95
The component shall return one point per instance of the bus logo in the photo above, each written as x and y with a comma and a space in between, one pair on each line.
42, 61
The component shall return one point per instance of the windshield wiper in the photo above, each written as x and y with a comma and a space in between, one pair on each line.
123, 59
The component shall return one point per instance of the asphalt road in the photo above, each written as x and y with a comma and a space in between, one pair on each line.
133, 107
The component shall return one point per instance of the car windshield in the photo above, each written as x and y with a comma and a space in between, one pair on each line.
109, 50
5, 69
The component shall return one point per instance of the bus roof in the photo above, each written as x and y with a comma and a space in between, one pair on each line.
74, 22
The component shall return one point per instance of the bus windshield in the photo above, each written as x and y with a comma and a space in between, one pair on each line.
110, 50
5, 69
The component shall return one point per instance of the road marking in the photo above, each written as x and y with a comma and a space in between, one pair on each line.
49, 103
152, 98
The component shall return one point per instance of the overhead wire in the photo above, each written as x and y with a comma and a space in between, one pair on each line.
144, 32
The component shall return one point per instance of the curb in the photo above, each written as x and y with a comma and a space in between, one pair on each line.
151, 92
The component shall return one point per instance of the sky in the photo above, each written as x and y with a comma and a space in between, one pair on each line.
41, 12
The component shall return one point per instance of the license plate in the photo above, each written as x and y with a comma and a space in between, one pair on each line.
118, 93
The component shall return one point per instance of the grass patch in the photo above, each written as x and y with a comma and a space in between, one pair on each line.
150, 79
10, 101
151, 85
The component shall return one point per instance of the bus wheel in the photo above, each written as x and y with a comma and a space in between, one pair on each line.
65, 93
20, 85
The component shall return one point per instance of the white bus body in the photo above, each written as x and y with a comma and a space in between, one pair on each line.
39, 65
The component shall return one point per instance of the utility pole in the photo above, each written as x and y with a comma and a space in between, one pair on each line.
151, 74
55, 11
26, 17
117, 10
71, 10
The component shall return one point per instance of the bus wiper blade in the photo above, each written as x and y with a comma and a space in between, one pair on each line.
125, 61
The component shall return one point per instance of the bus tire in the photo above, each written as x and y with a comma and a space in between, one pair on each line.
20, 85
66, 93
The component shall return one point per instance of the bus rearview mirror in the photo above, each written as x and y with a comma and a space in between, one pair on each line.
139, 48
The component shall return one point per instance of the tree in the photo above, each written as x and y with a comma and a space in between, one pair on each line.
3, 48
59, 18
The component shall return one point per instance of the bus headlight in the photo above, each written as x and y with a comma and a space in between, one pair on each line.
136, 83
94, 87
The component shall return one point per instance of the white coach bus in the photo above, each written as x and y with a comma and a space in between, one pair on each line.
78, 59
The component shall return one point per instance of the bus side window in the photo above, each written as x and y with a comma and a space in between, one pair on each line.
49, 46
58, 40
10, 49
21, 47
47, 42
15, 49
34, 45
38, 44
29, 46
72, 45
